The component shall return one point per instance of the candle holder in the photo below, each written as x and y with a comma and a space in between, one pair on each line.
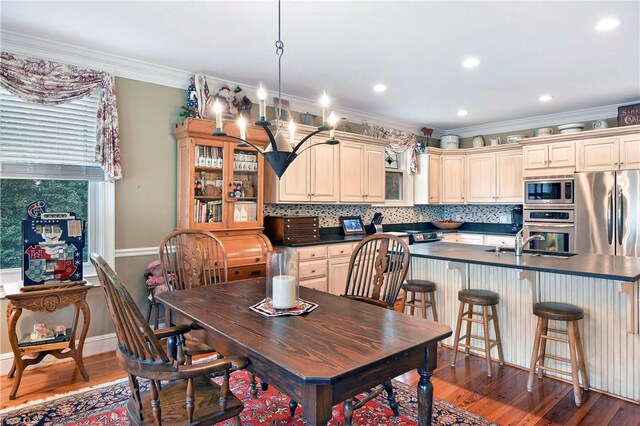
282, 280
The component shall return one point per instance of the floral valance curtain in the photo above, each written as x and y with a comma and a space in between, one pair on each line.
399, 142
51, 83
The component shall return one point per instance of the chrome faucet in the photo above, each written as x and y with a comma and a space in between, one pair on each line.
520, 245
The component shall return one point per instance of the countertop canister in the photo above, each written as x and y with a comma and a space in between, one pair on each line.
449, 142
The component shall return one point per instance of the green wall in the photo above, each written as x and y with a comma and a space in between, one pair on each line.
145, 197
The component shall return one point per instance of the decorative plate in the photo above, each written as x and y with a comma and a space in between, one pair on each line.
265, 308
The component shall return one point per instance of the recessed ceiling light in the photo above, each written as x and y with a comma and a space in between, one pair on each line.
607, 24
379, 88
545, 98
471, 62
463, 112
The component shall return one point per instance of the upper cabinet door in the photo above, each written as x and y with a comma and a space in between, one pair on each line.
294, 184
536, 157
562, 154
596, 155
453, 181
509, 184
351, 172
434, 179
630, 152
324, 172
374, 179
481, 178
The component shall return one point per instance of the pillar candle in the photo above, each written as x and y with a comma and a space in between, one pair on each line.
284, 292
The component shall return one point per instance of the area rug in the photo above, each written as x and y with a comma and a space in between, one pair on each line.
106, 405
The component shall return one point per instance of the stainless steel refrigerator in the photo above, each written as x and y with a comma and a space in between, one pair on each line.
607, 213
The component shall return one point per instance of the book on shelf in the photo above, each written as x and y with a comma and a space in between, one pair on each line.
208, 156
29, 339
207, 211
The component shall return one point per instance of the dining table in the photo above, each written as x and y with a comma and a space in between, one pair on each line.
339, 350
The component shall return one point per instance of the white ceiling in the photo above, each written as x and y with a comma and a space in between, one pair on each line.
415, 48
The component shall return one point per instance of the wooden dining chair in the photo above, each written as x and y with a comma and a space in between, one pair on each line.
192, 258
189, 397
377, 269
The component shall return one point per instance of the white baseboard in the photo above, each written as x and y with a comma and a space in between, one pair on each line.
92, 346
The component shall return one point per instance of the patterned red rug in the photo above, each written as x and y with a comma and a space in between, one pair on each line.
105, 405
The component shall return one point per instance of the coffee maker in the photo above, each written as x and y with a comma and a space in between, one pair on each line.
516, 219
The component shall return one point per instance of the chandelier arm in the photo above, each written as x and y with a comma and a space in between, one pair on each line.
311, 146
272, 139
260, 150
320, 130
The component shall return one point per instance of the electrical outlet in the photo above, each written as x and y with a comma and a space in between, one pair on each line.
504, 218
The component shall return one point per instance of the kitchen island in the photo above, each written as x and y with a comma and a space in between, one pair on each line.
607, 288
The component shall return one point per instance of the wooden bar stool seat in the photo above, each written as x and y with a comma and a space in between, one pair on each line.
570, 314
487, 300
426, 289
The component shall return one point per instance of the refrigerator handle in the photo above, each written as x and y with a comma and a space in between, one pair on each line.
610, 218
620, 219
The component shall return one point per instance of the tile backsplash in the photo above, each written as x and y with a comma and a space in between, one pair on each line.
329, 213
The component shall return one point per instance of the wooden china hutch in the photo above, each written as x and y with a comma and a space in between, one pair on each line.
221, 188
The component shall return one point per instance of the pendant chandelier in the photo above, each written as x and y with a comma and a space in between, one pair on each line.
280, 153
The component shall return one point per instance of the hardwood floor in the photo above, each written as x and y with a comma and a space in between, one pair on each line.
502, 398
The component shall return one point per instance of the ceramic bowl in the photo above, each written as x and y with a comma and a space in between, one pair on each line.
571, 128
449, 224
515, 138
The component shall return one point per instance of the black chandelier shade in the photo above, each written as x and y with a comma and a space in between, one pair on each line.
279, 160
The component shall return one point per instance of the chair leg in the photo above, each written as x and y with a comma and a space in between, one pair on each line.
405, 294
237, 421
574, 363
468, 338
543, 348
487, 338
423, 304
496, 327
156, 323
456, 339
264, 386
391, 397
292, 408
253, 389
582, 361
434, 311
149, 309
155, 402
412, 309
534, 355
348, 412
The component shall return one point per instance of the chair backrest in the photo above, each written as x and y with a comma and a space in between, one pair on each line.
377, 269
136, 340
192, 258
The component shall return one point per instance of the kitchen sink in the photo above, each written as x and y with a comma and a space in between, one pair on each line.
537, 253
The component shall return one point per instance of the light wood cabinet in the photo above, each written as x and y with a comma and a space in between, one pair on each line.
551, 158
294, 183
324, 161
453, 179
606, 154
362, 176
481, 178
338, 267
509, 187
474, 239
427, 183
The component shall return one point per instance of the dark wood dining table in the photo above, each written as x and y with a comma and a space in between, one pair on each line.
319, 359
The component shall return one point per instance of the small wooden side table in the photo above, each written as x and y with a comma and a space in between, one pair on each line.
48, 299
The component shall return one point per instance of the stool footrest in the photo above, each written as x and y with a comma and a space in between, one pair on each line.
477, 321
556, 358
556, 330
557, 339
555, 370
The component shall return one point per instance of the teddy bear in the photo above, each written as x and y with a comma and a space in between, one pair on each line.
155, 280
248, 188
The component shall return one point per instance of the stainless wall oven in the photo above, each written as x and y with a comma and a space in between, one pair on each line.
554, 223
548, 191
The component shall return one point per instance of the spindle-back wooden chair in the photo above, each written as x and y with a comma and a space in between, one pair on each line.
190, 397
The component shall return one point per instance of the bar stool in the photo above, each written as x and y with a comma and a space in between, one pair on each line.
485, 299
571, 315
424, 288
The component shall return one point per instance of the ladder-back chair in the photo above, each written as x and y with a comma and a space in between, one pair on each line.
190, 397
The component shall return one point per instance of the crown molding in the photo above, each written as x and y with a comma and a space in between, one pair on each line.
166, 76
588, 114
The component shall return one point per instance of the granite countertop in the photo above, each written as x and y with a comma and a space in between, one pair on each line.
334, 238
622, 268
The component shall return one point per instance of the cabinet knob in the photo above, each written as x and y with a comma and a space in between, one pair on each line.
313, 255
341, 251
313, 271
615, 164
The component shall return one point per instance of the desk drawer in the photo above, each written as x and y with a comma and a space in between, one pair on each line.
315, 268
339, 250
312, 253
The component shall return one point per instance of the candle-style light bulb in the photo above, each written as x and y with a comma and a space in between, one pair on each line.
217, 109
242, 124
292, 133
332, 124
324, 103
262, 101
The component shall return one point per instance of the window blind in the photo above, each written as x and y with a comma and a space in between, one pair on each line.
47, 141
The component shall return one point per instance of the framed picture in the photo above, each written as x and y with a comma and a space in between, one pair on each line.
285, 108
629, 115
352, 225
391, 161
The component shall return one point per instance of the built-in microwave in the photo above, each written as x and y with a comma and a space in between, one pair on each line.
548, 191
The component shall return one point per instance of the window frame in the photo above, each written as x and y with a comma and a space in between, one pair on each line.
407, 183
